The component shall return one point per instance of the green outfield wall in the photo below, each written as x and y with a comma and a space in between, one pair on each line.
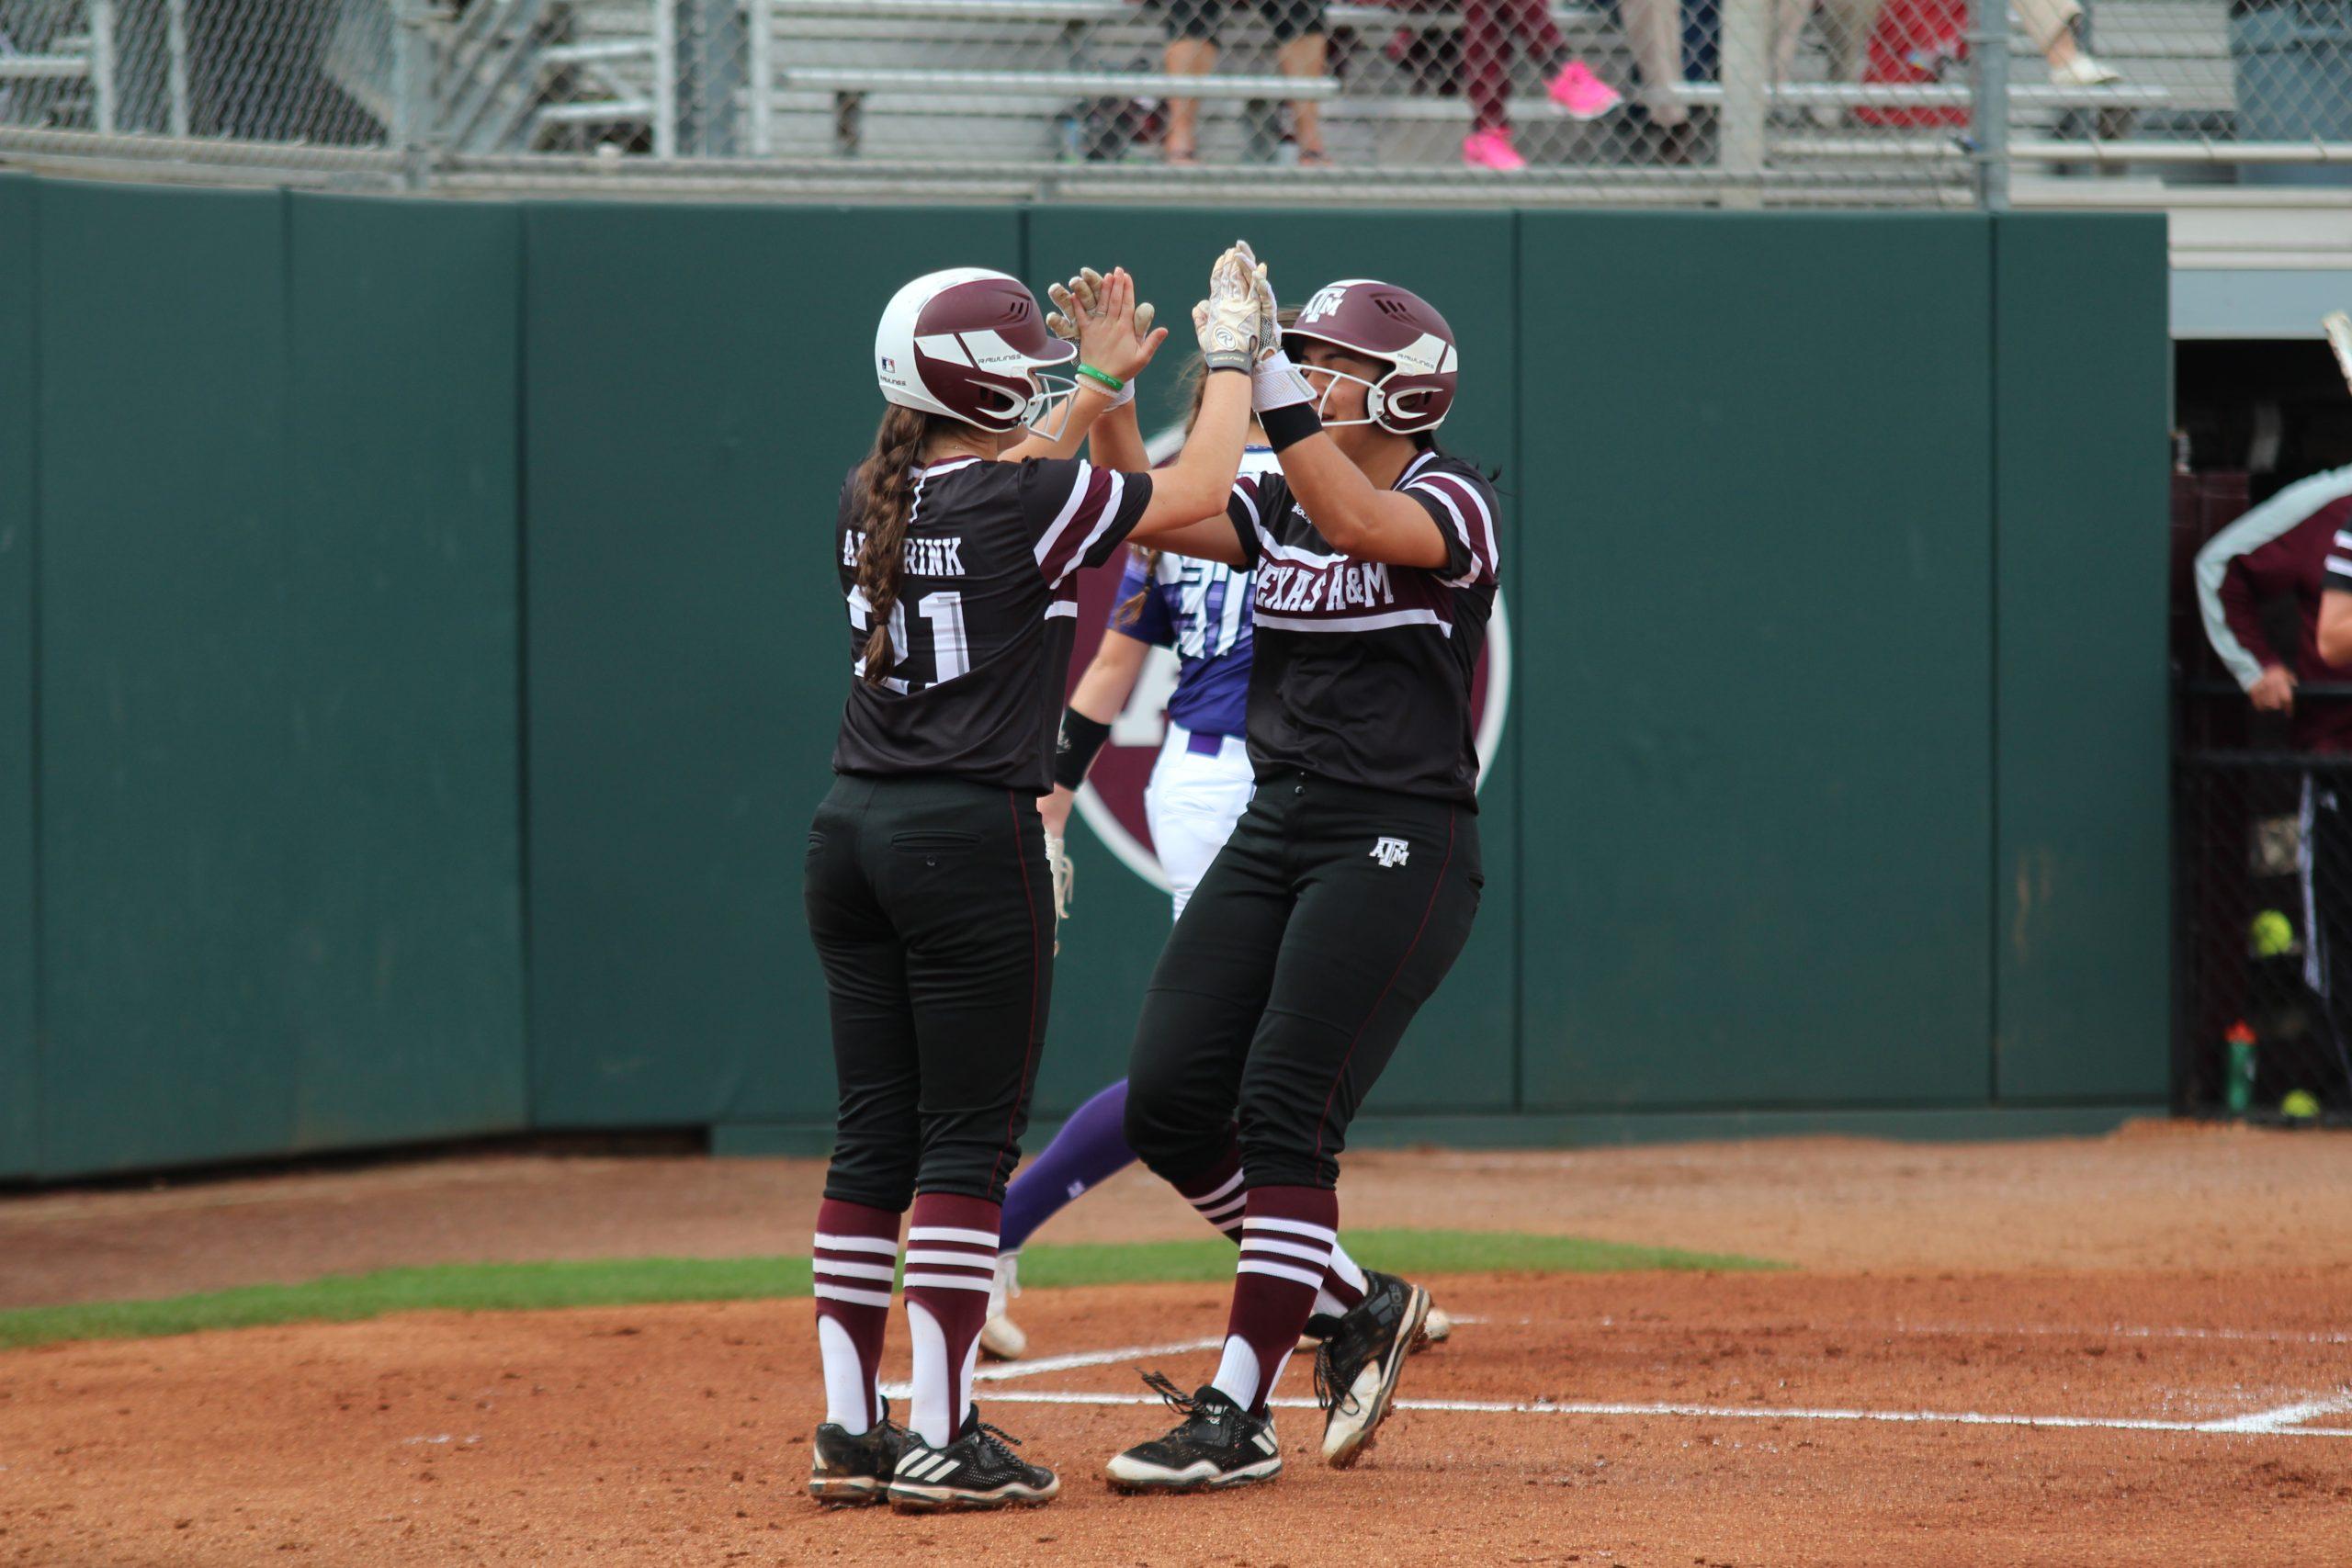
19, 1052
419, 657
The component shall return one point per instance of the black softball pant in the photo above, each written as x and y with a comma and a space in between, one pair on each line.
933, 913
1325, 921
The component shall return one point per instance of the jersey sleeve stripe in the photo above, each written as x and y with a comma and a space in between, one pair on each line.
1050, 540
2339, 565
1482, 540
1461, 525
1477, 563
1245, 490
1094, 551
1096, 509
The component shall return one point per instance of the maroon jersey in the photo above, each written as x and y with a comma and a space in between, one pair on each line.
1363, 669
2297, 544
986, 610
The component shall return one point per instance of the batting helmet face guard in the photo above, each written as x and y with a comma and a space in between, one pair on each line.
971, 343
1379, 321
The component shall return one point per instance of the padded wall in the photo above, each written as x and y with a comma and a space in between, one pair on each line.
2083, 408
1756, 714
19, 1054
424, 591
166, 677
279, 762
406, 983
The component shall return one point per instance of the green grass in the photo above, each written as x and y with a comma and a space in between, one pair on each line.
633, 1282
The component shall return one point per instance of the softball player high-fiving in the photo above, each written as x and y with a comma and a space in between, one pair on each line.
1349, 886
926, 884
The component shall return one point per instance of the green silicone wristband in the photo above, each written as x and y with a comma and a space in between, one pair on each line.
1102, 377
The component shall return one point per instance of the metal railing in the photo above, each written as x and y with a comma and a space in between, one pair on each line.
1724, 101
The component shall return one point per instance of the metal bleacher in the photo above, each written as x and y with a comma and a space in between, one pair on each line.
1013, 82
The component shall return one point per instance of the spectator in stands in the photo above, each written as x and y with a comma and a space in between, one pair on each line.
2056, 27
1654, 33
1488, 30
1845, 30
1299, 50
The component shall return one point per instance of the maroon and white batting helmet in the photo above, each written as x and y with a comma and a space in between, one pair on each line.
970, 344
1380, 321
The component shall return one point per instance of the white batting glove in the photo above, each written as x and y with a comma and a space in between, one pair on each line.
1065, 877
1270, 330
1227, 322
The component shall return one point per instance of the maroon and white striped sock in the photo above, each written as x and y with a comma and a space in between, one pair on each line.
855, 1257
1218, 1195
951, 1258
1287, 1233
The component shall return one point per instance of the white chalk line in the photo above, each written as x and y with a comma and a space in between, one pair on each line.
2282, 1421
2242, 1426
2286, 1417
2113, 1331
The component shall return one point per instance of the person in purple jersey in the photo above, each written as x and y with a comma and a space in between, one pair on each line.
1198, 789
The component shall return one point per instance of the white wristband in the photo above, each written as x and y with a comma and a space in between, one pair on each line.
1277, 384
1124, 395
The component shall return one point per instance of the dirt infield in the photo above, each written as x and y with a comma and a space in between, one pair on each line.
2125, 1350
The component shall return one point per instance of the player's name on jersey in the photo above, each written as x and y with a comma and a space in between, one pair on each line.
923, 558
1288, 587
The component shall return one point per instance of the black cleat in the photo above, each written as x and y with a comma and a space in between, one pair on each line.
1356, 1369
975, 1470
1437, 1327
851, 1472
1217, 1444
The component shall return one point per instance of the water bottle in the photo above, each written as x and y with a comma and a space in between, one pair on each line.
2240, 1087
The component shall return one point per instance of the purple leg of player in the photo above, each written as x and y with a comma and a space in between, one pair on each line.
1091, 1149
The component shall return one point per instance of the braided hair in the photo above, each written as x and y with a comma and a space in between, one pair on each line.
885, 480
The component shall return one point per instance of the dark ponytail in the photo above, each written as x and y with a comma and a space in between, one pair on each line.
887, 482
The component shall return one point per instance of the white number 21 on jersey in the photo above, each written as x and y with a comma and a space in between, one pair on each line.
942, 619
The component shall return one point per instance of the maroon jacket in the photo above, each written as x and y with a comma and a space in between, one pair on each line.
2280, 549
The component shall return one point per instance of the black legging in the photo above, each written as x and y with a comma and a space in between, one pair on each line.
1327, 920
934, 915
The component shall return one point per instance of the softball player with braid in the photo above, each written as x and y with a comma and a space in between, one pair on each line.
926, 882
1350, 885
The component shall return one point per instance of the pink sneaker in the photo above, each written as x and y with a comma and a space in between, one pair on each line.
1491, 150
1582, 94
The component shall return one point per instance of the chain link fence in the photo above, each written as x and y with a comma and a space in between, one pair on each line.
2262, 836
2265, 885
1733, 100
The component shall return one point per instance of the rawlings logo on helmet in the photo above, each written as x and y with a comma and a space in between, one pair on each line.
1372, 319
970, 344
